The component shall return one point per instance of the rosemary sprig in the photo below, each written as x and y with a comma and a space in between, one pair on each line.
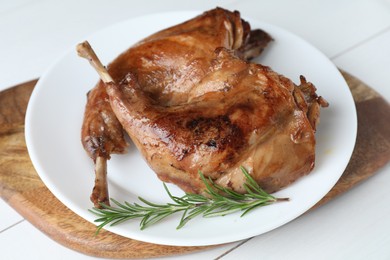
219, 202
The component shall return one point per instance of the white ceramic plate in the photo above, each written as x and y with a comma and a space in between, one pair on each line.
55, 114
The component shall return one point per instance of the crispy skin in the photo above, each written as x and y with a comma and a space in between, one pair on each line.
239, 114
168, 65
173, 61
102, 134
170, 62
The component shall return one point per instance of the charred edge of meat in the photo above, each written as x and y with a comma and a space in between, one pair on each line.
309, 90
257, 41
104, 145
248, 43
308, 101
95, 145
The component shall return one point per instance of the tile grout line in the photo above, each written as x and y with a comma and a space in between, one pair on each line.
232, 249
11, 226
375, 35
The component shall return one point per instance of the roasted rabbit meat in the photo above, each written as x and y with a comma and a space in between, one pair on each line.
168, 65
238, 114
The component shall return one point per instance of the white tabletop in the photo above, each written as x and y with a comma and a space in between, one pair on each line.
355, 35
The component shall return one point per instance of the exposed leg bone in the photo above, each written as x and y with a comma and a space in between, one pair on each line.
100, 190
85, 50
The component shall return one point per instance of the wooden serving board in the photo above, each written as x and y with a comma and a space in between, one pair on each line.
22, 188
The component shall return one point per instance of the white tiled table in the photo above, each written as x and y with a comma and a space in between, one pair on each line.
355, 35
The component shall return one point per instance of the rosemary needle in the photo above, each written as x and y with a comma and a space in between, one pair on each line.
219, 202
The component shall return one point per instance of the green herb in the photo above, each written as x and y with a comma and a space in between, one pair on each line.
219, 202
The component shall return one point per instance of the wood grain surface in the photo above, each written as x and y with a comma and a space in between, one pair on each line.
21, 187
